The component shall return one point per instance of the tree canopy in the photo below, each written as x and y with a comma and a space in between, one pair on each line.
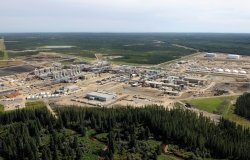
242, 106
126, 132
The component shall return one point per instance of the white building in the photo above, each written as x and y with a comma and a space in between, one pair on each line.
235, 71
233, 56
243, 72
211, 55
220, 70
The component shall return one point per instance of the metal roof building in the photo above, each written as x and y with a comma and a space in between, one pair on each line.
100, 96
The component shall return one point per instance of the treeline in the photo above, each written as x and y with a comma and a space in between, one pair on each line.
242, 106
36, 134
24, 132
195, 133
134, 48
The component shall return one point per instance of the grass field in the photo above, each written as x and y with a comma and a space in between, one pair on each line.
229, 114
5, 55
1, 108
222, 106
9, 63
212, 105
36, 104
3, 52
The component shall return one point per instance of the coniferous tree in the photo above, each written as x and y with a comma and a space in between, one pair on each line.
242, 106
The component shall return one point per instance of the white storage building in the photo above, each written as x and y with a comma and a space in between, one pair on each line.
235, 71
211, 55
220, 70
233, 56
243, 72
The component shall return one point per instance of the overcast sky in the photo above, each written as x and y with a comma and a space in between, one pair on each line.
125, 16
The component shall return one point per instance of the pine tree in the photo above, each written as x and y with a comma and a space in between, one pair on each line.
147, 133
60, 123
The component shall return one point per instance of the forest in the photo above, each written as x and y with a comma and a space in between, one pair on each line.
118, 133
242, 106
138, 48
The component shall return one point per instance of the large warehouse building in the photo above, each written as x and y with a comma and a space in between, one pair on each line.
100, 96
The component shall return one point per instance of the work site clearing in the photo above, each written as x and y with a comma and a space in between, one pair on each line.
65, 80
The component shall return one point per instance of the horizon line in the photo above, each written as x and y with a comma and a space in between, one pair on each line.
124, 32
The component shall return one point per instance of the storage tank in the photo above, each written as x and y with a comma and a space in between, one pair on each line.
210, 55
233, 56
219, 70
235, 71
243, 72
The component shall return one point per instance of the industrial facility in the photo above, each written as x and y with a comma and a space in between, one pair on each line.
219, 71
69, 73
103, 84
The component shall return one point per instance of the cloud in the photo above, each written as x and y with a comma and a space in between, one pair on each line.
125, 15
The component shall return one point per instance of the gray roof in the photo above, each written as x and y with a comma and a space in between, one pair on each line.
102, 95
